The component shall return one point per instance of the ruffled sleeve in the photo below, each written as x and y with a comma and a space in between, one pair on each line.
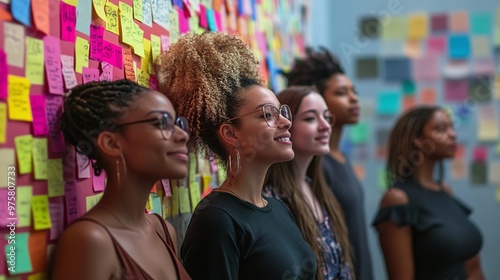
401, 215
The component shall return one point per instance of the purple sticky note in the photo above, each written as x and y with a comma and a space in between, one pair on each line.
165, 43
218, 20
90, 75
68, 22
203, 17
483, 67
56, 211
166, 187
69, 164
426, 68
53, 64
71, 200
3, 75
54, 107
96, 41
456, 90
107, 72
83, 164
436, 45
480, 154
98, 182
40, 127
183, 22
112, 54
439, 23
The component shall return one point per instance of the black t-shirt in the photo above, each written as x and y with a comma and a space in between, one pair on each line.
228, 238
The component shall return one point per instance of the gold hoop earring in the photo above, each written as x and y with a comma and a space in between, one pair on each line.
230, 166
118, 174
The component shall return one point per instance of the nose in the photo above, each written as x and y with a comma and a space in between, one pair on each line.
180, 135
353, 96
284, 122
453, 133
324, 124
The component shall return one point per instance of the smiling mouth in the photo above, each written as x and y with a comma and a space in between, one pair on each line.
282, 139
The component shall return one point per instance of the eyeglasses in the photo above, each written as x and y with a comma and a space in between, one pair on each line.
165, 123
271, 114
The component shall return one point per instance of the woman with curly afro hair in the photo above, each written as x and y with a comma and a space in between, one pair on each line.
235, 233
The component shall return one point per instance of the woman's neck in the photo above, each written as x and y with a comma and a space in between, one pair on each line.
335, 137
249, 182
424, 174
302, 163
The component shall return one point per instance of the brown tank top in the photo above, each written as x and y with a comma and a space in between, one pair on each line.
130, 269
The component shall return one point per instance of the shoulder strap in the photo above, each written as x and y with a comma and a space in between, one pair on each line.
168, 240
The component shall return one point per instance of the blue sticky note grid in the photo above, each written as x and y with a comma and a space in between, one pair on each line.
459, 46
481, 24
397, 69
21, 11
389, 103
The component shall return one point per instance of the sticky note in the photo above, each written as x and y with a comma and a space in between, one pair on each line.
34, 61
92, 201
480, 154
366, 67
496, 87
54, 107
90, 75
20, 250
439, 22
112, 54
98, 182
417, 26
55, 177
409, 101
428, 96
165, 42
426, 68
459, 21
40, 157
41, 16
83, 16
147, 16
137, 9
23, 205
395, 28
7, 215
459, 46
483, 67
494, 175
68, 73
14, 44
487, 123
481, 24
382, 182
96, 42
174, 26
83, 164
106, 72
52, 51
112, 24
397, 69
20, 10
175, 198
37, 245
99, 8
3, 75
3, 122
23, 150
456, 90
146, 60
68, 22
369, 27
358, 133
155, 46
18, 100
184, 205
71, 202
160, 11
479, 89
137, 41
478, 173
128, 64
143, 77
56, 211
389, 103
436, 45
40, 210
195, 193
7, 159
82, 47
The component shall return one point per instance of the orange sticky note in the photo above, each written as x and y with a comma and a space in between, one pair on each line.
409, 102
428, 96
41, 16
4, 15
459, 21
37, 242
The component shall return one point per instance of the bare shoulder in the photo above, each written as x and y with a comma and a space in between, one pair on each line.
394, 196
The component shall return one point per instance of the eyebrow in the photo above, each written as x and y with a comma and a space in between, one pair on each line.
158, 111
263, 104
310, 111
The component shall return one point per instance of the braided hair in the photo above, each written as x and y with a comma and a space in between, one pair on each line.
314, 69
90, 109
203, 75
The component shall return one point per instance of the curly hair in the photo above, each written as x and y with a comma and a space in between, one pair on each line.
314, 69
203, 76
90, 109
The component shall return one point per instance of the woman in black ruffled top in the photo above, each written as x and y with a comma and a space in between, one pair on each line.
424, 231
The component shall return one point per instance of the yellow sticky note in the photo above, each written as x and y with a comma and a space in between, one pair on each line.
92, 200
184, 200
174, 23
221, 173
38, 276
146, 60
81, 54
167, 207
23, 205
40, 157
137, 40
496, 87
192, 167
125, 10
7, 161
155, 47
71, 2
395, 28
99, 8
41, 214
19, 98
23, 150
143, 77
417, 26
112, 24
206, 181
3, 122
149, 203
55, 177
34, 61
138, 10
195, 194
488, 131
175, 197
127, 27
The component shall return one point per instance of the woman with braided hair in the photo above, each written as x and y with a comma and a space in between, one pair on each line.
234, 232
133, 134
323, 70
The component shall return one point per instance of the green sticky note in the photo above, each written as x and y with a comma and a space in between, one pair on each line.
382, 183
408, 88
23, 204
175, 197
195, 193
481, 24
157, 207
55, 177
389, 103
92, 200
23, 150
395, 28
358, 134
40, 157
19, 253
184, 206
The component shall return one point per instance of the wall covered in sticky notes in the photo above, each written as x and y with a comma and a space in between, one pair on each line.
48, 47
402, 53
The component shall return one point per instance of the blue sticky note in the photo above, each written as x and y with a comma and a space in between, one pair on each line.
389, 103
459, 46
178, 3
84, 16
212, 25
271, 68
254, 10
240, 8
21, 11
20, 251
397, 69
481, 24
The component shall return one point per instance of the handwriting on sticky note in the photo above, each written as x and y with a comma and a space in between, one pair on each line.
128, 64
54, 107
96, 42
34, 61
56, 211
23, 205
184, 205
112, 16
23, 150
81, 54
68, 22
138, 9
155, 46
107, 72
165, 43
55, 177
18, 99
6, 215
69, 76
147, 17
40, 156
90, 75
112, 54
40, 209
71, 201
52, 51
143, 77
41, 16
99, 8
14, 44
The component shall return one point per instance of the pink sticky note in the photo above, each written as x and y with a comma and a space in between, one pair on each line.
40, 127
218, 20
426, 68
483, 67
456, 90
107, 72
480, 154
203, 17
183, 22
112, 54
96, 42
54, 107
165, 43
90, 75
56, 211
68, 22
153, 83
83, 164
436, 45
213, 166
71, 200
53, 64
3, 75
98, 182
459, 21
6, 216
166, 187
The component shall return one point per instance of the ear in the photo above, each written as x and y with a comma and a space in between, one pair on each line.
228, 135
109, 144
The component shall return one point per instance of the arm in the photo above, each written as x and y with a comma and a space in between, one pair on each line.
396, 241
84, 252
473, 267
